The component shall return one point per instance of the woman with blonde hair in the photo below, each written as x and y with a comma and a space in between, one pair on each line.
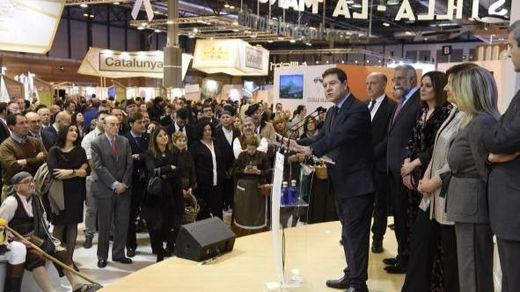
476, 94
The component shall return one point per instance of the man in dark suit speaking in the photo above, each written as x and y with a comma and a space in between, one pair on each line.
346, 139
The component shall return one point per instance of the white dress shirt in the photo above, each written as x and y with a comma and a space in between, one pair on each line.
377, 104
86, 143
9, 206
237, 147
211, 148
228, 134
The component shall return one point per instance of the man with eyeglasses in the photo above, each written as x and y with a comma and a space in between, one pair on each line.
19, 152
24, 212
35, 128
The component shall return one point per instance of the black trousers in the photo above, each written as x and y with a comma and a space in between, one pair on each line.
355, 214
380, 206
211, 197
509, 253
399, 198
228, 191
427, 234
138, 189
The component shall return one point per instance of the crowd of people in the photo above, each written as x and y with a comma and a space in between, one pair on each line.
439, 153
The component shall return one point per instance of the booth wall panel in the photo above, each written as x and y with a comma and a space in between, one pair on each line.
99, 36
59, 47
78, 33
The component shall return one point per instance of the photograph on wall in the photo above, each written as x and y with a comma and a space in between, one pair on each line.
291, 86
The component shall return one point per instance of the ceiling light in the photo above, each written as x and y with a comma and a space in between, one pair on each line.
236, 30
386, 24
349, 1
342, 61
270, 41
379, 61
409, 32
83, 5
235, 22
91, 16
140, 27
117, 3
253, 36
357, 5
368, 61
308, 44
85, 14
292, 41
169, 22
226, 5
191, 36
195, 30
327, 61
232, 7
274, 18
356, 61
157, 30
317, 62
392, 2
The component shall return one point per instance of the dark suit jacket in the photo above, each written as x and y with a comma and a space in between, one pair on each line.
348, 143
400, 132
110, 168
190, 132
139, 166
51, 135
204, 164
380, 125
4, 132
228, 158
503, 183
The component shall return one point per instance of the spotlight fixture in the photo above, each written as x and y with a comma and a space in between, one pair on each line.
91, 16
85, 14
292, 41
117, 3
226, 5
83, 5
308, 44
231, 7
386, 24
140, 27
270, 41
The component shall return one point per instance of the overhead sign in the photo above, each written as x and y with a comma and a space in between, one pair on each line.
117, 64
361, 8
234, 57
142, 62
29, 25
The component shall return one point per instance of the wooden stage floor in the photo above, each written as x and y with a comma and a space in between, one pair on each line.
313, 250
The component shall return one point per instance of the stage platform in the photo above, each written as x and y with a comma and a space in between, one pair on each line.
312, 249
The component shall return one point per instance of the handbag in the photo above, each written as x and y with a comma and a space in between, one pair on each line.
154, 186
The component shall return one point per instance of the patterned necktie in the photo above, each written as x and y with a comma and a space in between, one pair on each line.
114, 150
372, 104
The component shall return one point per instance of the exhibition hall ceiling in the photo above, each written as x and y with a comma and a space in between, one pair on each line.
319, 23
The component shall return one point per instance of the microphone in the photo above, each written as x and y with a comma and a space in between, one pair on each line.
301, 122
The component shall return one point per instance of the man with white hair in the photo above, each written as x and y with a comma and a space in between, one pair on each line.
400, 132
248, 129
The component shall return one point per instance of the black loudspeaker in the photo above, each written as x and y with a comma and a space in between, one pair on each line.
204, 239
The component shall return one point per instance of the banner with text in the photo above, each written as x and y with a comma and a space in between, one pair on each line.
116, 64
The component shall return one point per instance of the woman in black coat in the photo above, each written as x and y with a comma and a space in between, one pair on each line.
164, 211
208, 168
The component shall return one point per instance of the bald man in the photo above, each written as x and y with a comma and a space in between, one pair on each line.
381, 108
60, 119
35, 129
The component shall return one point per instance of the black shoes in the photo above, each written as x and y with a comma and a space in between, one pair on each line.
390, 261
88, 241
377, 246
352, 289
101, 263
398, 268
341, 283
130, 252
123, 260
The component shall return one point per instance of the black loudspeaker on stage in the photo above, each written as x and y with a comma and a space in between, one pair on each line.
204, 239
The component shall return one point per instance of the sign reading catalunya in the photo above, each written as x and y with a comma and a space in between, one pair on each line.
406, 10
131, 62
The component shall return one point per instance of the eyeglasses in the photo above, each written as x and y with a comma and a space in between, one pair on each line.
26, 181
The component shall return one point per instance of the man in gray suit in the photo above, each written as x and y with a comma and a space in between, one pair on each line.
503, 182
112, 157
